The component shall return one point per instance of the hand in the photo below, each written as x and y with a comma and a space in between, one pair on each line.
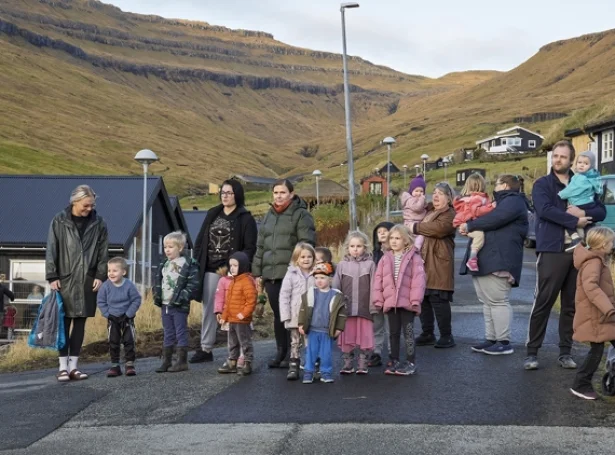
97, 285
494, 204
337, 333
259, 282
221, 321
463, 229
575, 211
301, 330
219, 318
584, 221
55, 285
240, 316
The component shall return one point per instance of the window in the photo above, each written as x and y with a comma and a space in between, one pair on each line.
375, 188
531, 144
504, 141
31, 273
607, 146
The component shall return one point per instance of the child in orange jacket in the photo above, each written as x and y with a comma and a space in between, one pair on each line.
473, 203
239, 305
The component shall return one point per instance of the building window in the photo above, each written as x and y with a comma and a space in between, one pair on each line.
27, 281
504, 141
375, 188
607, 146
531, 144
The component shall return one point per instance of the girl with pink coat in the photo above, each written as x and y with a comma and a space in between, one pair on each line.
398, 289
414, 207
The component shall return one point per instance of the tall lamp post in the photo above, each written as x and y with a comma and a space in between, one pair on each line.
352, 207
416, 169
317, 175
445, 162
145, 157
405, 173
424, 157
389, 141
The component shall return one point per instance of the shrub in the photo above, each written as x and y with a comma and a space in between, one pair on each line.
309, 151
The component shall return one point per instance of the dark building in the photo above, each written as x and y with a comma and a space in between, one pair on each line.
462, 175
511, 140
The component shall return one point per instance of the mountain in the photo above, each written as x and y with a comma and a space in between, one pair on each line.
84, 85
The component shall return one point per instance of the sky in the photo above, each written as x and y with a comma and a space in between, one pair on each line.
429, 38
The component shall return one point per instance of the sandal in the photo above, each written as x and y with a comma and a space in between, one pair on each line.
63, 376
77, 375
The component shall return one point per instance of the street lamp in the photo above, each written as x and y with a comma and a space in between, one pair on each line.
351, 190
424, 157
405, 172
389, 141
317, 175
445, 162
145, 157
342, 170
416, 169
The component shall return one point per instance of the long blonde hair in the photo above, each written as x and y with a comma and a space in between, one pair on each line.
475, 183
358, 235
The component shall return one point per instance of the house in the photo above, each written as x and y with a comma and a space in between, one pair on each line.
254, 183
194, 221
598, 137
383, 168
29, 202
436, 164
329, 192
375, 185
462, 175
511, 140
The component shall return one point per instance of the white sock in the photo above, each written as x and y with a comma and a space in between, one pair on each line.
63, 363
72, 363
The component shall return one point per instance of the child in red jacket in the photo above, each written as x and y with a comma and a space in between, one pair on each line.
471, 204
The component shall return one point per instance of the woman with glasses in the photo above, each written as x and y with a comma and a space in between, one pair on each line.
227, 229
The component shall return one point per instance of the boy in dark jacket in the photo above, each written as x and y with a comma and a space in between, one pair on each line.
176, 285
118, 300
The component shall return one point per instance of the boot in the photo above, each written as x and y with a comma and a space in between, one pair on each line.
246, 370
182, 361
348, 367
362, 367
285, 363
293, 370
275, 362
167, 358
230, 366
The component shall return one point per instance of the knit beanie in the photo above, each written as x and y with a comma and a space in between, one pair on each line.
417, 182
591, 156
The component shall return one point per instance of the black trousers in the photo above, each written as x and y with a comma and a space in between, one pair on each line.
442, 308
282, 336
74, 337
555, 275
583, 378
401, 321
121, 330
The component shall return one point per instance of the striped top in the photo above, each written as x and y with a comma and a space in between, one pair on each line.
398, 257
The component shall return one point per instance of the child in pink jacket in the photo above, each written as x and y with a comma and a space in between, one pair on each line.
414, 207
398, 289
472, 203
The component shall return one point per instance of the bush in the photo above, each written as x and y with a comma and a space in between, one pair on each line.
331, 223
309, 151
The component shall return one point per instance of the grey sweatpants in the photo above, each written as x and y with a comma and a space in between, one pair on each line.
209, 323
494, 292
380, 331
240, 336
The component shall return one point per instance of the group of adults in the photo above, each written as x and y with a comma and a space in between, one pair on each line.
77, 259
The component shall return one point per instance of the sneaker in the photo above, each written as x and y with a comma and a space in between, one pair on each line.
391, 367
570, 248
565, 361
130, 370
114, 371
201, 356
425, 339
362, 364
327, 378
348, 367
405, 369
530, 362
472, 264
308, 377
587, 395
445, 342
499, 349
375, 360
482, 346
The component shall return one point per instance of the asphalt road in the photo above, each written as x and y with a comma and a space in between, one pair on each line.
458, 402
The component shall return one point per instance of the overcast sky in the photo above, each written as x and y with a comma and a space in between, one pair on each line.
431, 37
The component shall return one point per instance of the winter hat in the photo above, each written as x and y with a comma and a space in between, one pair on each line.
323, 268
417, 182
591, 156
243, 261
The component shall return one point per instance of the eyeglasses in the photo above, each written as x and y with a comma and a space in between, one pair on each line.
227, 193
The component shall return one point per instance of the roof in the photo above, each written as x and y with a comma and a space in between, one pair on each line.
29, 202
508, 132
593, 127
327, 190
374, 177
383, 167
194, 221
255, 179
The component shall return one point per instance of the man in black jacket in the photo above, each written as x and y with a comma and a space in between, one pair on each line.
227, 228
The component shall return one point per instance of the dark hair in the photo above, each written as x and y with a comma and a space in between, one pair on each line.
565, 143
326, 252
283, 182
511, 180
240, 199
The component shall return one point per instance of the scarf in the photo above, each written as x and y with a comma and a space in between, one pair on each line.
281, 208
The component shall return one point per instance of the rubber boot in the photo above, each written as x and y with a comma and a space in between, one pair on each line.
167, 358
182, 361
293, 370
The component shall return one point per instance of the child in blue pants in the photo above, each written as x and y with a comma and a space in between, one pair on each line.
322, 318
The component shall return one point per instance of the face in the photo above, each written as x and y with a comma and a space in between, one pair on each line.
320, 257
322, 281
83, 207
382, 233
583, 164
115, 272
418, 192
356, 247
439, 200
227, 196
305, 260
281, 195
499, 186
396, 242
560, 160
234, 265
36, 290
171, 250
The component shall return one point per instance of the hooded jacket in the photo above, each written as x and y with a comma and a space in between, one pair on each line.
337, 311
378, 252
470, 207
277, 237
76, 261
413, 207
185, 288
353, 276
223, 284
241, 294
294, 285
594, 318
582, 188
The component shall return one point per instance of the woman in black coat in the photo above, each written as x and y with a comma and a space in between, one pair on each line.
227, 228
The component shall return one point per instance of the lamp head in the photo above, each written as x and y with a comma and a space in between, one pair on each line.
146, 156
388, 140
316, 173
349, 5
424, 156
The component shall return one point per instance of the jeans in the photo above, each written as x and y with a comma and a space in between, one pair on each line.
175, 327
442, 309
